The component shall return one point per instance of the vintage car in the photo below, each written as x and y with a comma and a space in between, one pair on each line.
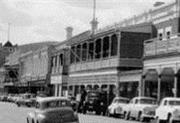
26, 99
95, 101
168, 110
115, 108
53, 110
140, 108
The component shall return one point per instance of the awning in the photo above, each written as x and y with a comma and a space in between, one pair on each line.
167, 75
151, 75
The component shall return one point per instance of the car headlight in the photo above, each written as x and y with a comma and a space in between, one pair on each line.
40, 116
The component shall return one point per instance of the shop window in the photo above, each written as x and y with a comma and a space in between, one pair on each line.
98, 49
114, 45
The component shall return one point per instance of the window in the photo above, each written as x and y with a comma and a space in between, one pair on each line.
114, 45
168, 31
84, 52
160, 34
78, 53
98, 49
105, 47
91, 51
168, 35
72, 54
61, 60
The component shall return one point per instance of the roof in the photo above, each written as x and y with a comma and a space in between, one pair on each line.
8, 44
171, 98
141, 97
80, 37
46, 99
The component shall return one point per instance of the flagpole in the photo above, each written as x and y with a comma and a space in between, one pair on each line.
94, 10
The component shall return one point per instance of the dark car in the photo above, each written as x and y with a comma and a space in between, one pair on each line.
26, 99
95, 101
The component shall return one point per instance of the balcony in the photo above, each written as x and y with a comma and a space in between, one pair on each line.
93, 65
154, 47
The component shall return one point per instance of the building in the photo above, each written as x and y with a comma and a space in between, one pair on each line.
97, 61
161, 54
35, 70
14, 67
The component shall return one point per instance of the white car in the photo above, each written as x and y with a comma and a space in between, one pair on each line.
140, 108
168, 110
115, 108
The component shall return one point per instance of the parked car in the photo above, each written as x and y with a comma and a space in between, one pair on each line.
116, 107
4, 98
95, 101
26, 99
140, 108
53, 110
10, 97
168, 110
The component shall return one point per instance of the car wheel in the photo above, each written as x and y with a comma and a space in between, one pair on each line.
140, 118
127, 116
160, 121
27, 120
169, 120
33, 121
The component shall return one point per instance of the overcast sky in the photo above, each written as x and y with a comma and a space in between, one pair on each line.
46, 20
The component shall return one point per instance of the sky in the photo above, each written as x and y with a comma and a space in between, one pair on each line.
45, 20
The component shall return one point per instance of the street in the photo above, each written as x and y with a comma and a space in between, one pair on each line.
10, 113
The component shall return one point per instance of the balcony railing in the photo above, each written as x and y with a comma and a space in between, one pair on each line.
92, 65
155, 46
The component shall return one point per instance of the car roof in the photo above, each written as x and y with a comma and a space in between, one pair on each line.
142, 97
46, 99
121, 98
171, 98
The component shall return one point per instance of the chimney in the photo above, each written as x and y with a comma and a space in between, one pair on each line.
69, 31
94, 25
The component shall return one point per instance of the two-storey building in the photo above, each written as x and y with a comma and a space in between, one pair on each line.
99, 60
36, 69
161, 54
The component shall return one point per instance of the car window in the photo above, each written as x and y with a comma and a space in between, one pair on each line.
174, 102
121, 101
136, 101
165, 102
148, 101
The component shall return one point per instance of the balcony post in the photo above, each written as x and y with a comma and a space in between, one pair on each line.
159, 89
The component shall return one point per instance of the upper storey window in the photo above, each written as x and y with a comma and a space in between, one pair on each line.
98, 51
72, 52
114, 45
160, 34
168, 31
91, 51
